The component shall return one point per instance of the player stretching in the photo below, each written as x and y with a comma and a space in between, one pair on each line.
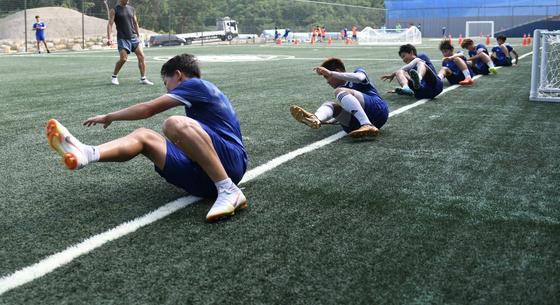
418, 77
501, 54
454, 66
479, 60
359, 108
201, 153
124, 17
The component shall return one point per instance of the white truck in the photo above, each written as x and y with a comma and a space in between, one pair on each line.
226, 30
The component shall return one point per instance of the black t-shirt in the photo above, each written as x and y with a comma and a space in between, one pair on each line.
124, 23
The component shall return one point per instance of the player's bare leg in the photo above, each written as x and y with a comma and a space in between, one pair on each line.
123, 57
142, 65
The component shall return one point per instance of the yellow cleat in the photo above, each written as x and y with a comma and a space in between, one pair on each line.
305, 117
364, 131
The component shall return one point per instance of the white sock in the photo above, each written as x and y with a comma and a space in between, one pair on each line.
441, 76
351, 104
91, 152
142, 78
466, 73
114, 76
324, 112
491, 64
405, 87
225, 184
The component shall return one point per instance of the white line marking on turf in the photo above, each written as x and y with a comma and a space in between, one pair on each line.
60, 259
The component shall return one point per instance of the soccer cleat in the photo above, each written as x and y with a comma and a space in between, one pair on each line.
226, 204
467, 82
364, 131
145, 81
404, 91
66, 145
493, 70
305, 117
415, 78
114, 80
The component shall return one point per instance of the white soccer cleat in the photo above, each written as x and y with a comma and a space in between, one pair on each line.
226, 204
114, 81
66, 145
145, 81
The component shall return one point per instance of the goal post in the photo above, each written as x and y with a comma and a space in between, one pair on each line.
474, 28
369, 36
545, 71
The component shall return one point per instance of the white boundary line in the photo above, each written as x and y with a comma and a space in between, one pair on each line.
60, 259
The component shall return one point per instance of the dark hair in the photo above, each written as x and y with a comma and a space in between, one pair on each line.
37, 17
466, 43
333, 64
446, 45
501, 37
407, 48
186, 63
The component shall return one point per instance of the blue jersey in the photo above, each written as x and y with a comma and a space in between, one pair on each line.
478, 47
428, 62
365, 87
456, 73
205, 103
39, 31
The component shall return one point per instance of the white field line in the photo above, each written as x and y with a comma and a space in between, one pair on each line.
60, 259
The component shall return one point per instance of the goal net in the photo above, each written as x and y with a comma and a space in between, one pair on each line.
369, 36
545, 74
476, 28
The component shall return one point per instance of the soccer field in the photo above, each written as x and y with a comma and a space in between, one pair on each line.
457, 201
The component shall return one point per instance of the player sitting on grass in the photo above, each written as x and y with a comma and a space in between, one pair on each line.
359, 108
418, 77
501, 54
454, 66
201, 152
479, 60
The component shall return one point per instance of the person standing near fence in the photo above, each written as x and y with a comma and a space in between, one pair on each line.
39, 28
124, 17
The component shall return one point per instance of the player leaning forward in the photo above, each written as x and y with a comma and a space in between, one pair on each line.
201, 152
124, 17
359, 108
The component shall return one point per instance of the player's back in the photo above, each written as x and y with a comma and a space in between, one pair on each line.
478, 47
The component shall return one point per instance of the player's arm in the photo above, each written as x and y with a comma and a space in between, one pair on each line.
389, 77
135, 112
478, 54
110, 26
411, 64
516, 56
456, 55
357, 77
136, 26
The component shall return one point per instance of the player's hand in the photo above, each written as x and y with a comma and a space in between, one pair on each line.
322, 71
98, 119
388, 77
109, 42
446, 59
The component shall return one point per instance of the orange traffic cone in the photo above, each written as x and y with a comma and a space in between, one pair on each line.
279, 41
347, 40
487, 40
529, 39
480, 34
330, 40
460, 39
524, 42
312, 39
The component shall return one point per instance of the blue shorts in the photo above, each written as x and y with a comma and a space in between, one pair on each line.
456, 74
505, 62
427, 90
40, 37
376, 110
129, 45
480, 68
183, 172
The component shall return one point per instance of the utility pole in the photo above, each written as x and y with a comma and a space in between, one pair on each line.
25, 22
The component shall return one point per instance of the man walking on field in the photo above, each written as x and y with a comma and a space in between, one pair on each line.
124, 17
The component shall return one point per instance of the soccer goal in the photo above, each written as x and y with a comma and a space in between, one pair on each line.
475, 28
545, 72
369, 36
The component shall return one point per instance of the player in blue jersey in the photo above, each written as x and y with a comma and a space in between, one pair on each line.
201, 152
39, 28
454, 65
359, 109
479, 59
502, 53
418, 77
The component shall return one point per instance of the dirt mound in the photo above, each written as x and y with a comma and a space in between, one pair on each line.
62, 23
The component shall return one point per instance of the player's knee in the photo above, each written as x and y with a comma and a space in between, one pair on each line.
340, 93
178, 126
